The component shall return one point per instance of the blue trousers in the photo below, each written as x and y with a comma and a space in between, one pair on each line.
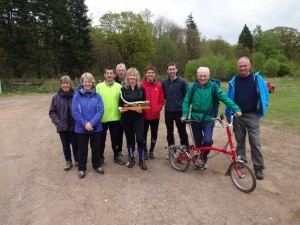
203, 133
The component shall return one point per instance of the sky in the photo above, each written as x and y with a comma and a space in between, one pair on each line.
214, 18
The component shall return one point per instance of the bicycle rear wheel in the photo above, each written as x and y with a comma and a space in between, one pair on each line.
175, 153
244, 178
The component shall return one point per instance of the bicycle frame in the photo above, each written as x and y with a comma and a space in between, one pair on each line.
240, 173
192, 150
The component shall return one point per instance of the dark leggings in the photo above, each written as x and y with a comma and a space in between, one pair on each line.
154, 128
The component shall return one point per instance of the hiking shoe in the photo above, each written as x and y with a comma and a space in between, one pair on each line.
76, 164
119, 161
146, 155
259, 174
131, 163
142, 164
68, 165
81, 174
99, 170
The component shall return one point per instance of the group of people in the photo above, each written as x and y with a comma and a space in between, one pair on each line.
85, 116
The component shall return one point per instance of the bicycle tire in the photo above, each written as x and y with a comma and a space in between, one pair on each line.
247, 181
178, 165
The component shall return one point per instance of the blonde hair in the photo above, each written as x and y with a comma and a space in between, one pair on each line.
89, 76
65, 78
136, 73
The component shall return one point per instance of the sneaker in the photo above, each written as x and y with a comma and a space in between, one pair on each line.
81, 174
142, 164
68, 165
259, 174
131, 163
99, 170
151, 155
146, 155
119, 161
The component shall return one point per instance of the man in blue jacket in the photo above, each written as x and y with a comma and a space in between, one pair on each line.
249, 91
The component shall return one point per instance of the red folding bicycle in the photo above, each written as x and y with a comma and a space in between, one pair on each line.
241, 175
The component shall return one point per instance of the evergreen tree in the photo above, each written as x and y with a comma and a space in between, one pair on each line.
192, 38
246, 38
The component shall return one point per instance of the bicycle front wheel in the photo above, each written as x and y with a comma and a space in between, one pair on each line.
174, 154
243, 177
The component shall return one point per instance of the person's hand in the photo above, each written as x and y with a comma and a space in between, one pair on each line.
88, 126
138, 109
121, 110
238, 114
182, 119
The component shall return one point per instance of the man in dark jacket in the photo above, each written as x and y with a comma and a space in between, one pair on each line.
174, 88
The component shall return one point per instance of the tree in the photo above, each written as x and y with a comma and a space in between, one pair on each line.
270, 44
258, 61
166, 52
290, 39
246, 38
192, 38
257, 32
131, 35
40, 35
221, 47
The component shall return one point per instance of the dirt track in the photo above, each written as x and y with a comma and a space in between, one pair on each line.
34, 188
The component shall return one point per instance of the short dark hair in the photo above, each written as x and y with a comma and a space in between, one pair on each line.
150, 68
109, 68
171, 64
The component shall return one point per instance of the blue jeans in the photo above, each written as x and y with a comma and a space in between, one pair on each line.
69, 138
203, 133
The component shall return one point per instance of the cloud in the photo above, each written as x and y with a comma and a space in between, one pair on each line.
213, 18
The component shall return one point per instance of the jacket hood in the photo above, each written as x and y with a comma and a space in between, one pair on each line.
81, 90
63, 94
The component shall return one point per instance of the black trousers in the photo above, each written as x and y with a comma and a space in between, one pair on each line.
154, 128
114, 129
69, 138
83, 146
170, 117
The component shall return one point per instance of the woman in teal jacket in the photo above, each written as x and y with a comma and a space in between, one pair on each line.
202, 109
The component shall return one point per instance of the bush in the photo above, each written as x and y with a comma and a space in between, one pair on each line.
216, 65
284, 69
271, 68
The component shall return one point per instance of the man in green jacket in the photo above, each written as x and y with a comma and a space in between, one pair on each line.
202, 108
110, 93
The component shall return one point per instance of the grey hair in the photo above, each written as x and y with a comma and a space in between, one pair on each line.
203, 68
245, 58
121, 65
65, 78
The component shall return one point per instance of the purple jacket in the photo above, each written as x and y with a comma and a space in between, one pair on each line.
61, 111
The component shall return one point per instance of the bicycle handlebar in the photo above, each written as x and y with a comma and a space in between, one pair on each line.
220, 119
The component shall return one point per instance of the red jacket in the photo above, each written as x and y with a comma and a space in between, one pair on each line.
155, 95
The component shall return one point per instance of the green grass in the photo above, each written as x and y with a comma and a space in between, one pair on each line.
284, 103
